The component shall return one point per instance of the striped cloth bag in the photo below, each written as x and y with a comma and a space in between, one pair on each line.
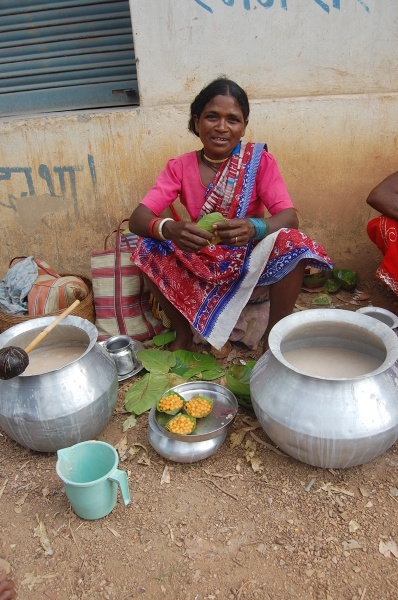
52, 292
121, 297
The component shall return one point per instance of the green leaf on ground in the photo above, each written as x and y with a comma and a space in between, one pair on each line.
157, 361
164, 338
194, 363
332, 286
147, 391
214, 373
322, 299
238, 380
129, 422
347, 279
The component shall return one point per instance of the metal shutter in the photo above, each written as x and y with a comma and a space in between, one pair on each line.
58, 55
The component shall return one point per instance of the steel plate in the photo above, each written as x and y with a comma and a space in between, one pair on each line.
225, 408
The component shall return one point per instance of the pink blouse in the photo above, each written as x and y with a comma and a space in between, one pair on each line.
181, 177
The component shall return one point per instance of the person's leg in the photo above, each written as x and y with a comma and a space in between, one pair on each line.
179, 323
282, 297
7, 587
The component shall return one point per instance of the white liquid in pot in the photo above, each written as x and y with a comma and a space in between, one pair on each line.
43, 361
332, 362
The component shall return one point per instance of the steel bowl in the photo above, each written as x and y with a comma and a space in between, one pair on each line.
223, 414
177, 451
324, 421
210, 432
62, 407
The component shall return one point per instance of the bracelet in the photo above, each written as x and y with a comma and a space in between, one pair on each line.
261, 228
151, 226
160, 228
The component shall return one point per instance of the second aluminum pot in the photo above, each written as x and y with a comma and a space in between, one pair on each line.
328, 422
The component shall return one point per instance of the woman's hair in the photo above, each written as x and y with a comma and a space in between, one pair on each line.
219, 87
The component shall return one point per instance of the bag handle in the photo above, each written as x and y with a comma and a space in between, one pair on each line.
38, 263
118, 233
16, 258
50, 272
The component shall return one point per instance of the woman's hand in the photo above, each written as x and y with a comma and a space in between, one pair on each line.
187, 236
238, 232
234, 232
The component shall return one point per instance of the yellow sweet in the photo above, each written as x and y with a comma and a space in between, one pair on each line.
181, 424
198, 407
170, 402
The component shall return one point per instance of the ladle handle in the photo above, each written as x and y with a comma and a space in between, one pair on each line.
47, 330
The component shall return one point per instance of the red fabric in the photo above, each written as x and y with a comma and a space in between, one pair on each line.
383, 232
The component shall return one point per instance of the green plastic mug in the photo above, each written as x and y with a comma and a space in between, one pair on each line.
91, 478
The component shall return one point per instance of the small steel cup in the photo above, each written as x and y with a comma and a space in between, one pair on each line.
121, 348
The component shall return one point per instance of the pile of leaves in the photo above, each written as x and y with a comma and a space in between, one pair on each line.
164, 370
329, 283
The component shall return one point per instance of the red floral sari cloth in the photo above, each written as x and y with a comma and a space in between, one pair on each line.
383, 232
211, 287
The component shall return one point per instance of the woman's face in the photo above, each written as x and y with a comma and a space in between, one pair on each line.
220, 126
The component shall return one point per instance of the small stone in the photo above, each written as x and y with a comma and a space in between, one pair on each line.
309, 572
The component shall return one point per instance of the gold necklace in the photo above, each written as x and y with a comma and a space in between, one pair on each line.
214, 168
210, 160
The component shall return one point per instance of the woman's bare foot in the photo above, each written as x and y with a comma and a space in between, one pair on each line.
182, 328
282, 297
7, 587
183, 340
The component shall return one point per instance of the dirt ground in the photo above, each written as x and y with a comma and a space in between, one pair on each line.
247, 523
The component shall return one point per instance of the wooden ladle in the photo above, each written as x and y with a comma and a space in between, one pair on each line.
14, 360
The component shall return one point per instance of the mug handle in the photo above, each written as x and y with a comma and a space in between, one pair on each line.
120, 478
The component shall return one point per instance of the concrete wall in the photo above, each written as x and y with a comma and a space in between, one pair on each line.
323, 84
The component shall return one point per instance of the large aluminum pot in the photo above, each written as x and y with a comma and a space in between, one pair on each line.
64, 406
328, 422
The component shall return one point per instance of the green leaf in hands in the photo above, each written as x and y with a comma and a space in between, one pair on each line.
209, 220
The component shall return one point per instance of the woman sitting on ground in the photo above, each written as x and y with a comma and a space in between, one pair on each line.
383, 231
205, 279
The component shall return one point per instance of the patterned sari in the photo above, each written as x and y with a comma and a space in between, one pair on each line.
211, 287
383, 231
